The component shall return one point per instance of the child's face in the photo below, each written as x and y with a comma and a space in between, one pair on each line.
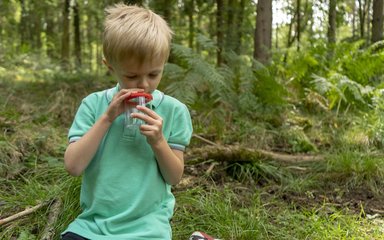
145, 76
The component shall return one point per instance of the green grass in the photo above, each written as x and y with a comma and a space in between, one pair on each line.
226, 215
249, 204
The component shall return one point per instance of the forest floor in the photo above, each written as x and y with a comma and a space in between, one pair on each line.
355, 200
256, 199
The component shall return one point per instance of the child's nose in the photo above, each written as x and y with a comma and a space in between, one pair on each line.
143, 83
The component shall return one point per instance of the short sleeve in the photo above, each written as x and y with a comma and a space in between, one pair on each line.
181, 132
83, 121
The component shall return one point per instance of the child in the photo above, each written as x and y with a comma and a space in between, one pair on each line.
127, 172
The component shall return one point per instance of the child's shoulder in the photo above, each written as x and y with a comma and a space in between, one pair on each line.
106, 94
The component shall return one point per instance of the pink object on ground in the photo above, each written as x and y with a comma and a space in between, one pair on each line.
201, 236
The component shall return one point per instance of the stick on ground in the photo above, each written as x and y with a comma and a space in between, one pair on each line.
49, 230
21, 214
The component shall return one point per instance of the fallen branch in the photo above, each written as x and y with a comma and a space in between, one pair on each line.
21, 214
205, 140
49, 229
243, 154
210, 169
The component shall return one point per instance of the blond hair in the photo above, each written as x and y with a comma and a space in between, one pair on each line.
132, 31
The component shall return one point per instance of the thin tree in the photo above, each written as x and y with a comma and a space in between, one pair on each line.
353, 19
239, 30
377, 20
231, 25
77, 37
219, 31
23, 23
49, 32
363, 11
190, 8
369, 3
263, 31
332, 22
298, 26
65, 36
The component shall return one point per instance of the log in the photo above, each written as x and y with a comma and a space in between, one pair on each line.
244, 154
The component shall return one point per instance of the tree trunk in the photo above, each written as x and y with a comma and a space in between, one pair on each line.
49, 32
219, 31
369, 21
332, 22
298, 26
353, 20
167, 11
263, 31
65, 37
362, 18
377, 20
290, 38
230, 26
77, 37
239, 29
191, 24
37, 29
23, 24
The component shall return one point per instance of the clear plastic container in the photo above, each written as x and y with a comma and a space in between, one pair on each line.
131, 102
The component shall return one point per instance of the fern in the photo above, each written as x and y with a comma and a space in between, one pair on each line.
339, 88
220, 94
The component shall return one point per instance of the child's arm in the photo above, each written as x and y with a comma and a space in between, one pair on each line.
78, 154
171, 161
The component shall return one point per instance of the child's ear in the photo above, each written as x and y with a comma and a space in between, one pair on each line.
110, 68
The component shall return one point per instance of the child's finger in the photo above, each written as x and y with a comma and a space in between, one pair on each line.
149, 112
149, 120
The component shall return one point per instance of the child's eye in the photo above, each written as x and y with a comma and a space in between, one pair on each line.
153, 75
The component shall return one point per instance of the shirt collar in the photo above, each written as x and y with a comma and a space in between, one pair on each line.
156, 95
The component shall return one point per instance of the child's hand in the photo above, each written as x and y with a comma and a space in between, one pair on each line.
153, 127
116, 107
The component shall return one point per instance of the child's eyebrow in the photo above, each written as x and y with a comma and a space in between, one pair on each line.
150, 72
156, 71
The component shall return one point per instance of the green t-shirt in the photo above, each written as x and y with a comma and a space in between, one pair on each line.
123, 194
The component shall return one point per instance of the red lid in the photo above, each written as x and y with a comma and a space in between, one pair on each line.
148, 97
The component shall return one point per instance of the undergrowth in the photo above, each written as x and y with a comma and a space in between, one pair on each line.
259, 201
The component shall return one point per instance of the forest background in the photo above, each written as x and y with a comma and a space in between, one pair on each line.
286, 99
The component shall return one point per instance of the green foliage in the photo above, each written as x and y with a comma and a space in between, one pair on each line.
362, 65
346, 78
298, 141
340, 89
239, 89
373, 122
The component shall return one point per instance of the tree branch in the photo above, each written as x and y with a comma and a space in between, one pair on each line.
21, 214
